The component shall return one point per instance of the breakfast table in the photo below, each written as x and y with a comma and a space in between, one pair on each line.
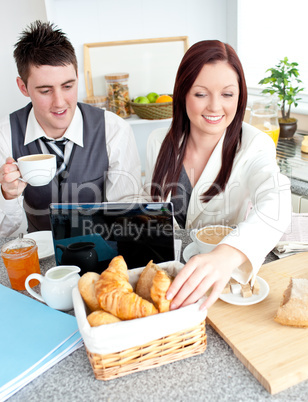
215, 375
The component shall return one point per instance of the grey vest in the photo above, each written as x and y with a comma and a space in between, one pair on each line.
84, 178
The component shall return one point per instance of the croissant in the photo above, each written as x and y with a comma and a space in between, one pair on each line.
160, 286
145, 281
115, 294
153, 284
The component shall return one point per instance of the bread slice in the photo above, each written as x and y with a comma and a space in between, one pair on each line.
293, 309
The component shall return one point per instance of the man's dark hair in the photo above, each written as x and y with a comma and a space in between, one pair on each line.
42, 44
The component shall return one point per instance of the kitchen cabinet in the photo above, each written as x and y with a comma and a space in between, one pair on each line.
299, 203
303, 206
295, 202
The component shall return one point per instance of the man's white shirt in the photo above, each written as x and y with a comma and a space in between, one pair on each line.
123, 180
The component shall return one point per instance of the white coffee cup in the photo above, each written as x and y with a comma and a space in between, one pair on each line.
207, 238
37, 169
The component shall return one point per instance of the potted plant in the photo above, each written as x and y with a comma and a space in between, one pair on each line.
283, 81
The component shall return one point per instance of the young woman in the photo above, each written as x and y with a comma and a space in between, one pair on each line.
216, 169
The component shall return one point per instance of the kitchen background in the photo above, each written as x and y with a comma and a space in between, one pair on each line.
110, 20
88, 21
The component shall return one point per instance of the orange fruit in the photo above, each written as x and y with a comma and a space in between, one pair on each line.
163, 98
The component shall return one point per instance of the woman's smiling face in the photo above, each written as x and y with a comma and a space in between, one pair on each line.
211, 102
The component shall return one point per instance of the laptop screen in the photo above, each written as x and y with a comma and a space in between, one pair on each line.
90, 235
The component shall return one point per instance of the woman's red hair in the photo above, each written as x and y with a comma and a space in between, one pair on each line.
170, 158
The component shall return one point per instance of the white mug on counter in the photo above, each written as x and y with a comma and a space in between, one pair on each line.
38, 169
56, 286
207, 238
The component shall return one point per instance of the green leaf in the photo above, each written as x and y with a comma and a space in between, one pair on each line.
283, 80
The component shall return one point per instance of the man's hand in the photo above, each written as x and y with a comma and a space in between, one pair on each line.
11, 185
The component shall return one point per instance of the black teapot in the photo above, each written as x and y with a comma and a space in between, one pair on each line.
81, 254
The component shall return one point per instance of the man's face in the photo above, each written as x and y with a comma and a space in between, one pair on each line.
53, 91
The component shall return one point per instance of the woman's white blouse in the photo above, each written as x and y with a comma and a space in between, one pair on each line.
257, 197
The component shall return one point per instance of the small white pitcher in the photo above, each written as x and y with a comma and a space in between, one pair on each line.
56, 286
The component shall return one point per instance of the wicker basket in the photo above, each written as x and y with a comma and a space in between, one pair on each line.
152, 111
162, 351
125, 347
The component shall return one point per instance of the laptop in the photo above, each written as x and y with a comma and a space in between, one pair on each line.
90, 235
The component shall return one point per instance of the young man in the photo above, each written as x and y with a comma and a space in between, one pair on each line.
98, 160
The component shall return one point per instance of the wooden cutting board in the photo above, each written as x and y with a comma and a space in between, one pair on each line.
275, 354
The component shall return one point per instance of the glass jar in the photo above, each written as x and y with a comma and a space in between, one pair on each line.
264, 116
118, 94
20, 258
97, 101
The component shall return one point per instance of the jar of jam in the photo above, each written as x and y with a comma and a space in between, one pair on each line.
118, 94
20, 258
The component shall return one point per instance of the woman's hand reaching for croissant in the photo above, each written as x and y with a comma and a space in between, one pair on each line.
202, 272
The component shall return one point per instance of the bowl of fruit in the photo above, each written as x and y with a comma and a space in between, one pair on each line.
153, 106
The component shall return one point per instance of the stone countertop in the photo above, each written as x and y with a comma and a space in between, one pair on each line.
215, 375
299, 187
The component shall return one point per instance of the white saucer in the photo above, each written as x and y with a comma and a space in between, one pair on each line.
189, 251
44, 243
238, 300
